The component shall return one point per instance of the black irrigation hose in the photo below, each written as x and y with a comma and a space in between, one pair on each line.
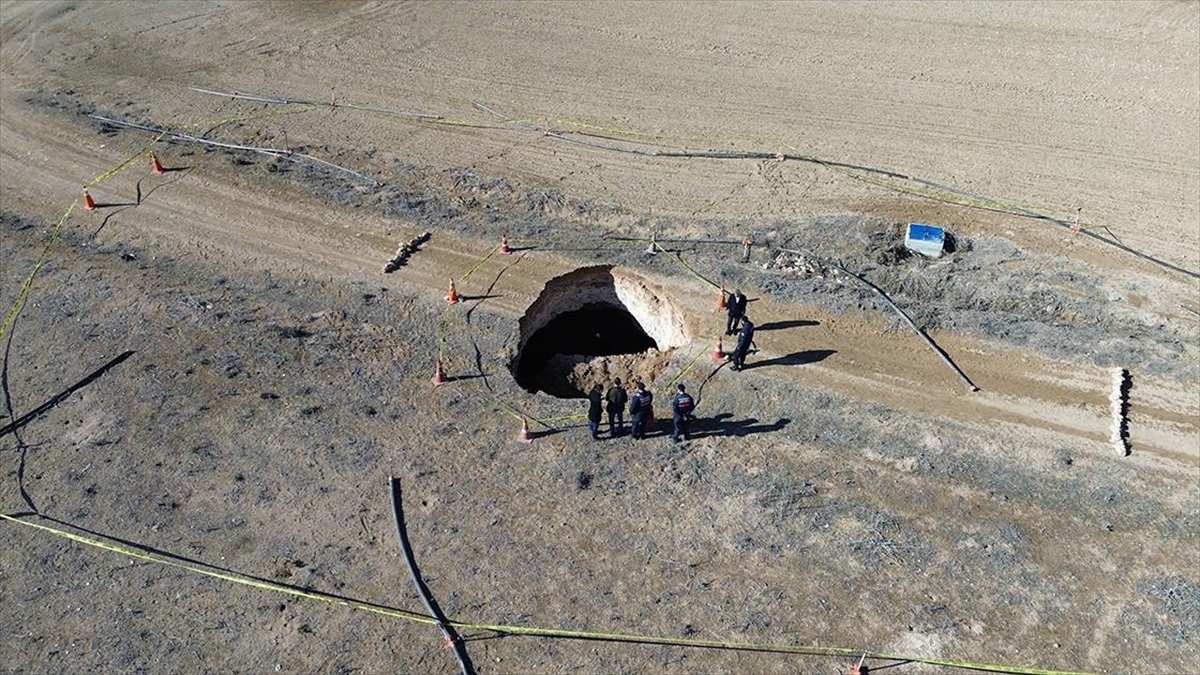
933, 346
1110, 242
717, 154
451, 635
57, 398
708, 154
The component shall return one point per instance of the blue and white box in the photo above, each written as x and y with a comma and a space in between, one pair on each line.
928, 240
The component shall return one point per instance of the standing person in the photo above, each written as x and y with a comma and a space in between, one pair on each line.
595, 396
617, 398
745, 337
641, 410
736, 308
681, 411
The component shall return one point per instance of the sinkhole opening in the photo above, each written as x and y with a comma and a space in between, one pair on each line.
593, 325
593, 330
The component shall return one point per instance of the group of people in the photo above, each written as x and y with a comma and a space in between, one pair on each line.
641, 403
641, 410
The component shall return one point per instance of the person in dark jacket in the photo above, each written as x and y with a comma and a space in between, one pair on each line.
681, 411
641, 410
736, 309
617, 398
745, 337
595, 398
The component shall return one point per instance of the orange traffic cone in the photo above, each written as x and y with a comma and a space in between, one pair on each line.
452, 296
504, 249
88, 203
523, 436
718, 354
721, 299
439, 375
155, 165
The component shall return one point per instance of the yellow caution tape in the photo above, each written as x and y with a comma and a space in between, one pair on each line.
11, 315
508, 629
225, 576
683, 372
479, 264
694, 273
565, 418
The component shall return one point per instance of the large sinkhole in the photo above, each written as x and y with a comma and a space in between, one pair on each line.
593, 325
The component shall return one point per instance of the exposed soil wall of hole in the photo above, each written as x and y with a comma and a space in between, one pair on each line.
592, 325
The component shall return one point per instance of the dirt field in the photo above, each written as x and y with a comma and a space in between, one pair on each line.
213, 367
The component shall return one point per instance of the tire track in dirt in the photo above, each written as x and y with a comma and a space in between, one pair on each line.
293, 233
897, 370
1044, 560
216, 207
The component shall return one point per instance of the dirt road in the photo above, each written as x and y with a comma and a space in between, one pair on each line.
846, 489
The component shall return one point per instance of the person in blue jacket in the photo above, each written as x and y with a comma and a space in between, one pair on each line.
745, 337
681, 411
641, 410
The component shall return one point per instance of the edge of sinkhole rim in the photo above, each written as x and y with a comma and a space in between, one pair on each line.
660, 317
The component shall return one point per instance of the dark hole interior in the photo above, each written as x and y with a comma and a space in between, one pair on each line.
596, 329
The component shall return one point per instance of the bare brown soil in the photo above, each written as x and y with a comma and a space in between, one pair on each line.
213, 365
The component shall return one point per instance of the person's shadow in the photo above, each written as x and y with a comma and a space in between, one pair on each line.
780, 325
723, 425
793, 359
